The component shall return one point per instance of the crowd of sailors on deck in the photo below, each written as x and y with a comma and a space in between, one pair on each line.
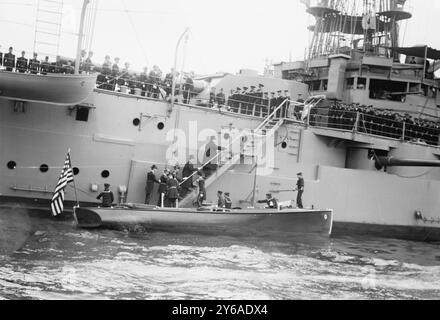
23, 64
380, 122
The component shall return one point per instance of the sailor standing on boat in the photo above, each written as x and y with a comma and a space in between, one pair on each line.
163, 188
202, 191
172, 192
228, 201
220, 199
300, 189
107, 196
151, 179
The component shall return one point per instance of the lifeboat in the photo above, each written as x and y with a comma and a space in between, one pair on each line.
56, 89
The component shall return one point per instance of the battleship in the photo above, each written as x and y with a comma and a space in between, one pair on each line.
379, 177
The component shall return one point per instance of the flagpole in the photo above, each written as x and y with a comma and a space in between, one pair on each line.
74, 184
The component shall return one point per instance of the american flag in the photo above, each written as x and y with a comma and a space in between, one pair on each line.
66, 176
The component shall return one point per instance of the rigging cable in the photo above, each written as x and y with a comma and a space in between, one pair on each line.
135, 32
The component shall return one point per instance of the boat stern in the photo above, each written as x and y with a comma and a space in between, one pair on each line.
86, 218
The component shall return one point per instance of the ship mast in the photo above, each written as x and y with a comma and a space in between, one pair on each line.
372, 26
81, 35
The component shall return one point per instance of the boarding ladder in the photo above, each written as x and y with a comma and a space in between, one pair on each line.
265, 129
48, 27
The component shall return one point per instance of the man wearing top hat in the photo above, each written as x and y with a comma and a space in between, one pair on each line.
107, 196
300, 189
151, 180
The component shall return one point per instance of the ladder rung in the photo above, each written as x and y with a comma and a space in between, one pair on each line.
49, 22
47, 32
49, 11
53, 1
46, 43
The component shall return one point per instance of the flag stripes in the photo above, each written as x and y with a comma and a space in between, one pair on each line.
66, 176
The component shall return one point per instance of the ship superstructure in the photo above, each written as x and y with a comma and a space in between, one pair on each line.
116, 135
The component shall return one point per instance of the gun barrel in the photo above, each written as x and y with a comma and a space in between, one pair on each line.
398, 162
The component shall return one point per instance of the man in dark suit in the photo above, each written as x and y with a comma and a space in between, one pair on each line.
273, 102
22, 63
9, 60
287, 104
300, 189
220, 98
187, 171
45, 66
34, 64
151, 180
280, 100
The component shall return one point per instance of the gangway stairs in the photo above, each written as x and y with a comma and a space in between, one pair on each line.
265, 130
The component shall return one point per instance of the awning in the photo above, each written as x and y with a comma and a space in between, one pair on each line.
419, 51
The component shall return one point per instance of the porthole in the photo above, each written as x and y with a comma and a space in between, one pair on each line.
284, 145
226, 136
44, 168
244, 139
105, 174
11, 165
136, 122
75, 171
160, 125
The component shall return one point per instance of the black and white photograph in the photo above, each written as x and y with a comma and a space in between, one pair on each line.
240, 153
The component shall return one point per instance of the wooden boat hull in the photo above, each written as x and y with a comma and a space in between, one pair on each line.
236, 222
56, 89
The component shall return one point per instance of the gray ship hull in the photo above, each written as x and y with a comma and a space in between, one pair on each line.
109, 141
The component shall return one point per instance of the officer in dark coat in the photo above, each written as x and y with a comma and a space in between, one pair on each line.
9, 60
273, 102
45, 66
228, 201
22, 63
143, 78
163, 188
188, 170
188, 88
202, 191
300, 189
34, 64
220, 98
172, 191
265, 104
287, 104
151, 180
88, 64
115, 74
280, 100
270, 201
244, 100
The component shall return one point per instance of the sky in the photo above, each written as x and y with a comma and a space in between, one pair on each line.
225, 36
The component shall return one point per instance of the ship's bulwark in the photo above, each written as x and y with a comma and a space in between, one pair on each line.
109, 140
